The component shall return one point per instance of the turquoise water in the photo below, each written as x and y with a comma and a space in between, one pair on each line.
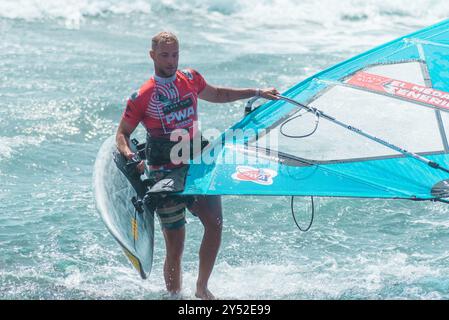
66, 70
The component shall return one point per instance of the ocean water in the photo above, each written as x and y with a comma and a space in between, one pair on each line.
66, 70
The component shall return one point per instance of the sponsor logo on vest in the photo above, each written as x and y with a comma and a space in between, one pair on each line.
180, 115
134, 96
188, 74
176, 106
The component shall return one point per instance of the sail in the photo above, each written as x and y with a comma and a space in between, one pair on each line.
398, 92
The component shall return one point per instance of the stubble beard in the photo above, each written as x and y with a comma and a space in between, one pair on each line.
161, 73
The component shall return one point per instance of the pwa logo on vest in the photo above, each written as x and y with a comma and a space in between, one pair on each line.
180, 115
179, 112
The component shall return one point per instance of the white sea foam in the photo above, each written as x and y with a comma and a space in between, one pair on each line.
245, 13
72, 11
364, 275
9, 145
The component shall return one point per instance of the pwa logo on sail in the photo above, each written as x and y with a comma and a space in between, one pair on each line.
256, 175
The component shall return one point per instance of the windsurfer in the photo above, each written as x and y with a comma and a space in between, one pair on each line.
167, 102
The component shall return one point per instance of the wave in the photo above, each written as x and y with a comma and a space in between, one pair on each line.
279, 12
72, 12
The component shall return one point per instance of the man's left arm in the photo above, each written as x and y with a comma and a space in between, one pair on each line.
222, 95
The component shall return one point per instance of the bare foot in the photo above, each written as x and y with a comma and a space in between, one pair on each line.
204, 294
172, 296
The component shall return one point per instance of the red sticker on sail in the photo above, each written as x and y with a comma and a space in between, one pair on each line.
401, 89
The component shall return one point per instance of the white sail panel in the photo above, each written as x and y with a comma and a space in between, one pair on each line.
407, 71
403, 123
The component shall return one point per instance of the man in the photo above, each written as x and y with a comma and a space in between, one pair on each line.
167, 102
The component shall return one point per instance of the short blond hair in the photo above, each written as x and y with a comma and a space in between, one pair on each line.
163, 37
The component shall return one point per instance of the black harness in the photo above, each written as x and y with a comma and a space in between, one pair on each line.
158, 151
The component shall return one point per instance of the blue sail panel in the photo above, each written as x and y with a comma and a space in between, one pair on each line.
396, 92
388, 178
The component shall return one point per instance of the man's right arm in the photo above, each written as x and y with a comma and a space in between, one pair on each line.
123, 137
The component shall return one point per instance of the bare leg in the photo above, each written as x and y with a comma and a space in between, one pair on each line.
208, 209
174, 244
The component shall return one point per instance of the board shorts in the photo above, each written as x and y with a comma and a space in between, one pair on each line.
171, 208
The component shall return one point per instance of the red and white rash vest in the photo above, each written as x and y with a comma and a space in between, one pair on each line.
163, 105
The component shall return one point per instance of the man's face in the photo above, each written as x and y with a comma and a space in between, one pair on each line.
165, 58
